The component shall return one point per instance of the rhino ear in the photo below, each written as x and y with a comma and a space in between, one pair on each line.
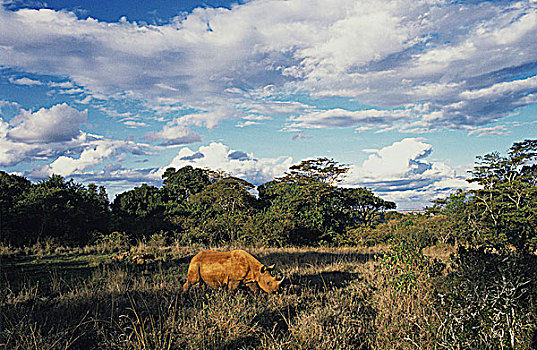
263, 268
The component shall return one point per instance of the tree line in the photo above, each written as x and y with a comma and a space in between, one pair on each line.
304, 207
193, 206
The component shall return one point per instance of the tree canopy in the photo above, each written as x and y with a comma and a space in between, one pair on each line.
193, 205
502, 211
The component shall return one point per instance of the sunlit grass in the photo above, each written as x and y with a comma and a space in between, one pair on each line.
333, 298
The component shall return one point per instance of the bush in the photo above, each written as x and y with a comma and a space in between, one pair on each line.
405, 263
112, 242
490, 301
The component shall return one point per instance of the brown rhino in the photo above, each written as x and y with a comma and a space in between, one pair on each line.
229, 270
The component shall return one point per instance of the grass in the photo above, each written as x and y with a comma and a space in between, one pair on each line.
333, 298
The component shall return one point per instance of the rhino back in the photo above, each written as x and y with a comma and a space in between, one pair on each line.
220, 267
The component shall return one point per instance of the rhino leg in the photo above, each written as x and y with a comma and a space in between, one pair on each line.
253, 287
232, 285
193, 276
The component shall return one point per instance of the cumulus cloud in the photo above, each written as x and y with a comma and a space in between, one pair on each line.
54, 134
402, 173
218, 156
401, 159
56, 124
93, 153
66, 166
42, 134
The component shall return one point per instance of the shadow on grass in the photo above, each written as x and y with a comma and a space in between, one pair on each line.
321, 281
324, 280
316, 258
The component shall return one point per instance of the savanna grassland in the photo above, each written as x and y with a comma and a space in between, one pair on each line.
334, 298
80, 272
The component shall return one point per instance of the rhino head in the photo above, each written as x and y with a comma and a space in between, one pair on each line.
266, 281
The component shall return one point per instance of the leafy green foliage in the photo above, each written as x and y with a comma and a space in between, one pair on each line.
502, 212
405, 263
323, 170
222, 209
364, 206
140, 211
314, 208
507, 200
306, 202
194, 205
182, 184
55, 209
12, 189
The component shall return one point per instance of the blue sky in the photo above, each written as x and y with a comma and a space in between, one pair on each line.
406, 93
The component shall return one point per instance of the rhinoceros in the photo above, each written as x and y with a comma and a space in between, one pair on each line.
230, 270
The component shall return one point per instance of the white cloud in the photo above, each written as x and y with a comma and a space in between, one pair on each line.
174, 135
94, 151
91, 156
55, 133
401, 172
25, 81
381, 53
502, 88
342, 118
58, 123
206, 119
134, 124
246, 123
497, 130
218, 156
398, 160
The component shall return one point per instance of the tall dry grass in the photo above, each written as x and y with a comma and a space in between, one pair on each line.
333, 298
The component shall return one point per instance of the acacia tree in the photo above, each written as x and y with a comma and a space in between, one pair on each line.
323, 170
311, 210
506, 203
364, 205
181, 184
140, 211
307, 203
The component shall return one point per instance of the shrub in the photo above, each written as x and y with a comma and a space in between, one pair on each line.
405, 263
490, 301
112, 242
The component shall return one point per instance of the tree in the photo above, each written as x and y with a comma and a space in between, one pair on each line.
181, 184
502, 212
140, 211
307, 204
507, 200
62, 210
323, 170
222, 209
12, 189
364, 205
314, 209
